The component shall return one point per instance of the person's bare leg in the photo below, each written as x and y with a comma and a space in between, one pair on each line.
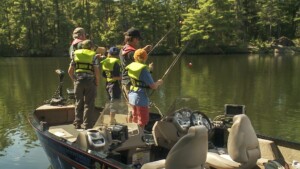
112, 118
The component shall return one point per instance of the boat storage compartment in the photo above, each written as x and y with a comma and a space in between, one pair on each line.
140, 156
55, 115
119, 132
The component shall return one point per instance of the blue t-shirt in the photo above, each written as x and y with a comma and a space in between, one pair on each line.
139, 97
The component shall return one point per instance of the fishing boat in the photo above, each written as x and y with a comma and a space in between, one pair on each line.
181, 138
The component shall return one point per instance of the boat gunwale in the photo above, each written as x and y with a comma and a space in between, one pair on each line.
280, 142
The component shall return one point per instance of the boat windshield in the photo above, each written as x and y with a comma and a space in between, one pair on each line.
183, 102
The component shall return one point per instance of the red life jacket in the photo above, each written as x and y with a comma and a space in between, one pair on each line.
75, 41
73, 47
127, 48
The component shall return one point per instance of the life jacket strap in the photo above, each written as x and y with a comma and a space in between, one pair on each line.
109, 76
138, 83
84, 66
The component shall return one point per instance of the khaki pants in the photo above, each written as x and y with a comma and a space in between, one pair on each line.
85, 94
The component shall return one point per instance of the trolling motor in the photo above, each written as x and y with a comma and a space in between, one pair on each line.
57, 98
61, 75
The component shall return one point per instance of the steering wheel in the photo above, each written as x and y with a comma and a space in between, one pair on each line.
199, 118
181, 119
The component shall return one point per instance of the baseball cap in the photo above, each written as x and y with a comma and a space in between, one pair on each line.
113, 51
134, 33
78, 32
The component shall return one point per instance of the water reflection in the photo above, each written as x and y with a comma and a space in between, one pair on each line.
269, 87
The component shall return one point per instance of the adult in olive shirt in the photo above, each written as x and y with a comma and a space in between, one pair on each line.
84, 72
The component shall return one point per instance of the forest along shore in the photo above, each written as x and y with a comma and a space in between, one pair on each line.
45, 28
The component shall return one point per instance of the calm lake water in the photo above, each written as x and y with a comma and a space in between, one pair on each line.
269, 87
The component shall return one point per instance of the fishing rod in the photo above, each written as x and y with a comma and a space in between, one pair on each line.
173, 63
162, 38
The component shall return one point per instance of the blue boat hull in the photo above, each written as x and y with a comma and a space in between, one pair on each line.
62, 156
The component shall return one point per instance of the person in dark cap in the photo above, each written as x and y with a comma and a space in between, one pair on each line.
78, 36
112, 74
132, 38
84, 72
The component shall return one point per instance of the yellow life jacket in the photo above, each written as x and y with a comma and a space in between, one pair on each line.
108, 66
84, 60
134, 72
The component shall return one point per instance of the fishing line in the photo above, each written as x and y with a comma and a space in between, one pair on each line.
175, 60
162, 38
172, 64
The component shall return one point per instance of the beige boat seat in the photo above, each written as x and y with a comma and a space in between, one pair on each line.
188, 153
242, 147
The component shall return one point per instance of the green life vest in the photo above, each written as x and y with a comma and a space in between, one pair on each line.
108, 66
84, 60
134, 72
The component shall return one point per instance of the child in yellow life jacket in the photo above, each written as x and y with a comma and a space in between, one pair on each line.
112, 73
141, 80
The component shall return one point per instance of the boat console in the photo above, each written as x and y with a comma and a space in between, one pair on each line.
185, 118
171, 128
174, 126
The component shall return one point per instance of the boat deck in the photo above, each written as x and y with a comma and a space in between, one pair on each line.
66, 131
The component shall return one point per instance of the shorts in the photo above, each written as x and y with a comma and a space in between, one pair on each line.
140, 115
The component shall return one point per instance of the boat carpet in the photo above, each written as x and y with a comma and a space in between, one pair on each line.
66, 131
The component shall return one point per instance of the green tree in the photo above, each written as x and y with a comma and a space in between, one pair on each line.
41, 27
246, 16
213, 23
277, 18
269, 18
